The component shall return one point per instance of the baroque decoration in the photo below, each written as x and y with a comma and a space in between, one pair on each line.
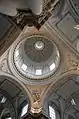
41, 67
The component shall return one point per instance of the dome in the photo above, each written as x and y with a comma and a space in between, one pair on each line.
36, 57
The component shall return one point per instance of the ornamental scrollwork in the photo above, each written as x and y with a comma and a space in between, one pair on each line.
71, 63
4, 66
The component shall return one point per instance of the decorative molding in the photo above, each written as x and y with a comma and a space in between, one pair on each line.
36, 102
72, 63
4, 64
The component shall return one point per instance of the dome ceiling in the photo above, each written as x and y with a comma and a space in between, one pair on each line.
43, 61
36, 57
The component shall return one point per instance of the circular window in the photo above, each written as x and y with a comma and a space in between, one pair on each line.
36, 57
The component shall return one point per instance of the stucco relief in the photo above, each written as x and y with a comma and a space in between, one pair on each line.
4, 65
71, 63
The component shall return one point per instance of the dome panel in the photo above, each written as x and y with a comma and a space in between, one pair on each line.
36, 57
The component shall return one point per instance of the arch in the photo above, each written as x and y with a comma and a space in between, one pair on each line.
61, 91
15, 81
62, 79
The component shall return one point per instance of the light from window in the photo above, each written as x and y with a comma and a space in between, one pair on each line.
24, 110
73, 102
52, 113
8, 118
3, 100
52, 66
77, 27
38, 72
24, 67
16, 53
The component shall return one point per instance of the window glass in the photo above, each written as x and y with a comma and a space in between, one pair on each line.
52, 113
24, 110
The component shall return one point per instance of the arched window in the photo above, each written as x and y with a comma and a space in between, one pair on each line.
52, 113
24, 110
7, 110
